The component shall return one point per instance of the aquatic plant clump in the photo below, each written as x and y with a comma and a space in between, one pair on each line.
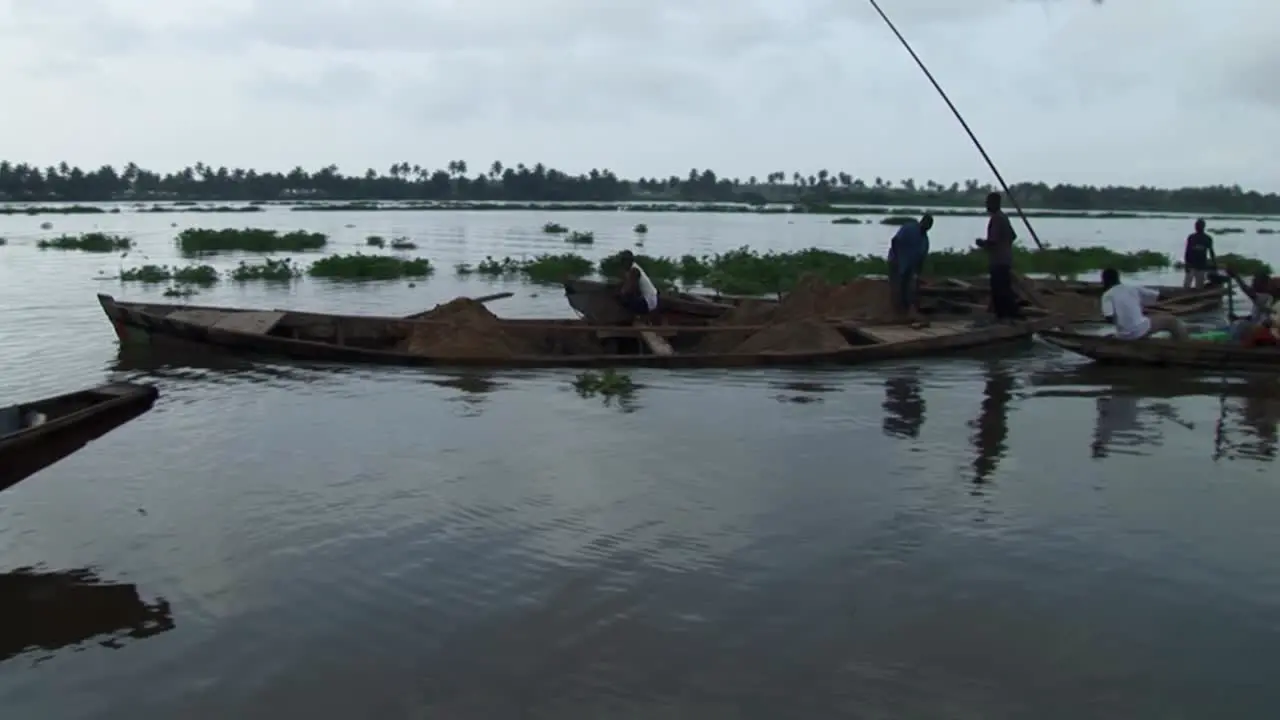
375, 241
580, 238
88, 242
609, 383
203, 275
269, 270
358, 266
256, 240
557, 268
403, 244
554, 229
640, 229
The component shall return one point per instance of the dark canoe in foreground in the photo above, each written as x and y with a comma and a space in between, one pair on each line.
37, 434
1160, 352
537, 343
596, 301
46, 610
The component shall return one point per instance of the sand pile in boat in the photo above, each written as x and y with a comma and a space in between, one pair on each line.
460, 328
863, 299
811, 335
748, 313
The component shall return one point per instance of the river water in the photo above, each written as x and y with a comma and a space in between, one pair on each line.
1002, 535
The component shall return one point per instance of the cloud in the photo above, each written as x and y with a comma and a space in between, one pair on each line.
1134, 91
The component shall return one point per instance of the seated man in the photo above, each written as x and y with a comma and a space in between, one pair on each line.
638, 293
1122, 305
1256, 329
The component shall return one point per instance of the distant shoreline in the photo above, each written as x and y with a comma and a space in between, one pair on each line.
848, 212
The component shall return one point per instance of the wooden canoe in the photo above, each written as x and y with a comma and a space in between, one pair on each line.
596, 301
1160, 352
46, 610
539, 343
37, 434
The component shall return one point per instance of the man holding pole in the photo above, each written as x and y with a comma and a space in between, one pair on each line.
999, 248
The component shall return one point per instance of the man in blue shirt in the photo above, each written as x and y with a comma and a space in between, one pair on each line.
907, 253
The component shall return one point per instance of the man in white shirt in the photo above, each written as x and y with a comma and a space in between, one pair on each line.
1122, 305
638, 293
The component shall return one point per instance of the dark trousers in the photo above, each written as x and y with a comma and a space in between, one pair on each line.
1004, 302
905, 286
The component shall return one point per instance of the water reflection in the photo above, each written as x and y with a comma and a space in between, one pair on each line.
49, 610
473, 389
1134, 409
904, 406
177, 360
992, 437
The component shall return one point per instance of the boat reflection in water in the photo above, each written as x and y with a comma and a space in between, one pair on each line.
904, 407
50, 610
991, 436
1134, 408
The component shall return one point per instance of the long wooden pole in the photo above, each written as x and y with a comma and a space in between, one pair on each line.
963, 124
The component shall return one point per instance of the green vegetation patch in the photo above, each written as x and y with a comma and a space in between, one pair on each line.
87, 242
270, 270
154, 274
256, 240
578, 237
554, 229
359, 266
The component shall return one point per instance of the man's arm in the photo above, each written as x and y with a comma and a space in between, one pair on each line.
1108, 309
1209, 246
1148, 295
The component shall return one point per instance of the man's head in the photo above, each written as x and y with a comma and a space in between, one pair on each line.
993, 202
1200, 226
627, 258
1110, 278
1261, 283
926, 222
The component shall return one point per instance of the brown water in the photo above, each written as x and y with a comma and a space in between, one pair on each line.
1003, 535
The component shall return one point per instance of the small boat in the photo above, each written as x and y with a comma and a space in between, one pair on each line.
37, 434
482, 340
49, 610
1160, 352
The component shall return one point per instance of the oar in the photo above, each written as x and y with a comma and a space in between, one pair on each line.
481, 299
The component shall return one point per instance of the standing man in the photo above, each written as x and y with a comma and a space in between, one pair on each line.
1198, 257
907, 252
999, 248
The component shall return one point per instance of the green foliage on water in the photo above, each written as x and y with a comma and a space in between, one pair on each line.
359, 266
578, 237
155, 274
846, 221
179, 291
88, 242
640, 229
1246, 266
608, 382
375, 241
196, 241
271, 270
554, 229
402, 243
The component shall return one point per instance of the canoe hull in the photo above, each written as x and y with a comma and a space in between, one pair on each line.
156, 322
1159, 352
73, 420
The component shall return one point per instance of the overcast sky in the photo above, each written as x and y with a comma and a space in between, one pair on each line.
1164, 92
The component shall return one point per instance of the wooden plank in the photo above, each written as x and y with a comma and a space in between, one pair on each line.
203, 318
257, 323
656, 344
640, 331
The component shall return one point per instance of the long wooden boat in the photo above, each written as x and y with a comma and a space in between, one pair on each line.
37, 434
49, 610
538, 343
596, 301
1160, 352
